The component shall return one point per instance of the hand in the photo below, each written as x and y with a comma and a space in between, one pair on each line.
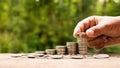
105, 30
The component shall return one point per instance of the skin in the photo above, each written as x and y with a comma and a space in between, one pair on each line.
105, 30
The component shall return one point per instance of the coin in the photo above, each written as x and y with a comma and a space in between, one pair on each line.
77, 57
83, 35
61, 50
60, 47
56, 56
46, 56
31, 56
101, 56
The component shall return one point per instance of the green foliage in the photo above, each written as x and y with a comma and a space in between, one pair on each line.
30, 25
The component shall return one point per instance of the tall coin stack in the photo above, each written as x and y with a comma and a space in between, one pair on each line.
71, 48
82, 43
61, 50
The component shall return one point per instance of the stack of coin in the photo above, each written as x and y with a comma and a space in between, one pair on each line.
50, 51
61, 50
82, 43
72, 48
40, 53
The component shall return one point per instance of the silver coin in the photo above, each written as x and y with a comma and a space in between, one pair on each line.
77, 57
46, 56
56, 56
101, 56
61, 50
60, 47
47, 50
31, 56
71, 43
83, 35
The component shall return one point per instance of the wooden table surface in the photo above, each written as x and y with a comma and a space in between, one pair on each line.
6, 61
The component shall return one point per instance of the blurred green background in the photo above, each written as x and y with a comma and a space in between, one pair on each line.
31, 25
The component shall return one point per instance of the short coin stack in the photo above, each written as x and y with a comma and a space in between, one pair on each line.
82, 43
50, 51
72, 48
61, 50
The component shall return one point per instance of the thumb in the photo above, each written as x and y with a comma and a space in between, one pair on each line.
95, 31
